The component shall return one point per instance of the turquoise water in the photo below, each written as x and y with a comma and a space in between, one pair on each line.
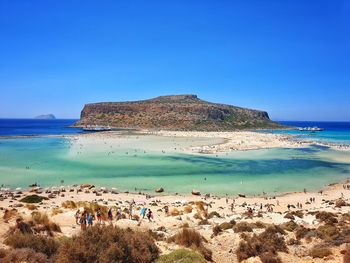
138, 162
334, 132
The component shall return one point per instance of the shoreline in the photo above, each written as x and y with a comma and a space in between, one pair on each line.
153, 193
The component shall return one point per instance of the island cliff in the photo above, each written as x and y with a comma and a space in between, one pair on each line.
176, 112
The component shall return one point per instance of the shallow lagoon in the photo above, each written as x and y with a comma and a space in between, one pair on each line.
148, 162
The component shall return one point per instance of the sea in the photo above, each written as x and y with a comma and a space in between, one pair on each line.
33, 151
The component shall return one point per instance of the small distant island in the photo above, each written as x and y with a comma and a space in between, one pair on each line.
45, 117
174, 112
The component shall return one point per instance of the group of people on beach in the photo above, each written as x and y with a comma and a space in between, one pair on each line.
86, 218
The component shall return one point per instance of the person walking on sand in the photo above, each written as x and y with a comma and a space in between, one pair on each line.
118, 215
143, 212
99, 215
130, 208
110, 216
77, 216
83, 221
166, 210
150, 215
90, 219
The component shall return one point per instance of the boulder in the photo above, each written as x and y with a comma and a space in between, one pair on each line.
196, 192
159, 190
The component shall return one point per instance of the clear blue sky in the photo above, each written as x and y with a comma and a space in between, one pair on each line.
290, 58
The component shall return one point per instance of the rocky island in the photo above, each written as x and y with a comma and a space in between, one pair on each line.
45, 117
174, 112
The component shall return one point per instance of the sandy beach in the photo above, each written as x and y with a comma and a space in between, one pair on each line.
217, 142
188, 210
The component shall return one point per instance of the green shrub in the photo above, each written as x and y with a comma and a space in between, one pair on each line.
190, 238
33, 199
181, 256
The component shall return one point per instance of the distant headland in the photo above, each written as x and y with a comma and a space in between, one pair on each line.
45, 117
174, 112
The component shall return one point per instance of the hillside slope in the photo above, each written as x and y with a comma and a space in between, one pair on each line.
176, 112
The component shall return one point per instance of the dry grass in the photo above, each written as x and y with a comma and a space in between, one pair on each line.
200, 206
320, 252
31, 207
203, 222
188, 209
197, 216
108, 244
292, 242
298, 213
216, 231
185, 225
213, 214
259, 224
56, 211
41, 222
226, 225
269, 257
174, 212
326, 217
268, 242
38, 243
87, 206
346, 258
69, 204
327, 232
289, 226
340, 202
8, 214
243, 227
21, 255
301, 232
190, 238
